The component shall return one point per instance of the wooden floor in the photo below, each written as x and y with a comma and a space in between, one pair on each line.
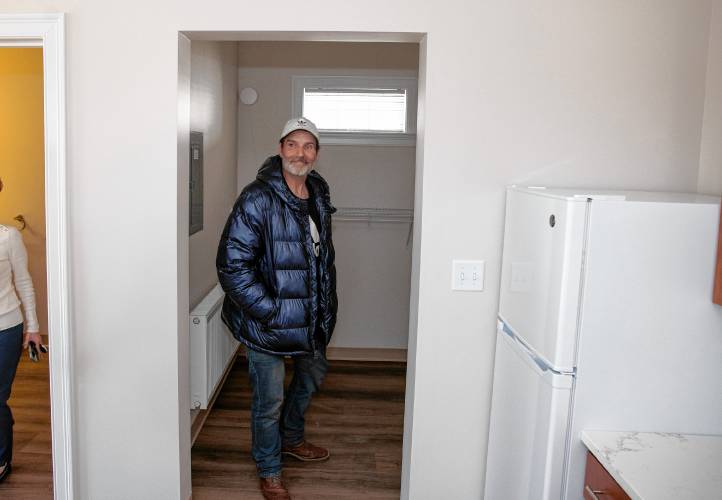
358, 415
32, 476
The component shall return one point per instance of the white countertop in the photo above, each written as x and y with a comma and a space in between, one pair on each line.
660, 466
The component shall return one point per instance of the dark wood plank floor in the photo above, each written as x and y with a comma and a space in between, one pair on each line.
358, 415
32, 476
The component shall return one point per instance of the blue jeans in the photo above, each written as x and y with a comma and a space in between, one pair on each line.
277, 421
11, 347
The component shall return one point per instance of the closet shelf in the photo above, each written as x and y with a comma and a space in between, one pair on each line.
357, 214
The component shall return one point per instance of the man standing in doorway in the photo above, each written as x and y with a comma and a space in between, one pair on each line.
276, 264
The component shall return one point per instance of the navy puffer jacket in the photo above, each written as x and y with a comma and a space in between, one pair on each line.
267, 267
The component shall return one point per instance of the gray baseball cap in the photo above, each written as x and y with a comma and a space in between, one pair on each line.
300, 123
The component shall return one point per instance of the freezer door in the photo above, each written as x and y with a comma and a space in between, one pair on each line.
529, 425
541, 272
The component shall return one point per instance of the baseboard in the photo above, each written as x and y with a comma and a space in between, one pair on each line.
366, 354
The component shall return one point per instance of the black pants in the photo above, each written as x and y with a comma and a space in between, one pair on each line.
11, 346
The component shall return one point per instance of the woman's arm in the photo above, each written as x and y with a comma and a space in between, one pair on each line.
23, 282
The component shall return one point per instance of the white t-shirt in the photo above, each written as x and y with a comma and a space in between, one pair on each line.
315, 237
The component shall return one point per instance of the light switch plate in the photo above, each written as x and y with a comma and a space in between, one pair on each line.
467, 275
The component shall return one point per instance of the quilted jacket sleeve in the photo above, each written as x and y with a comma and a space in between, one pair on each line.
239, 250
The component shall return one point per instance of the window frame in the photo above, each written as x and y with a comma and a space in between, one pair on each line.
299, 83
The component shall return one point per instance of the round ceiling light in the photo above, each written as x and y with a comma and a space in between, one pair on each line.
249, 96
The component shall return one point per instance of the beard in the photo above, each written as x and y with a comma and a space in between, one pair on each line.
296, 167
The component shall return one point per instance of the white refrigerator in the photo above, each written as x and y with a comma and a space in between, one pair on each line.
606, 322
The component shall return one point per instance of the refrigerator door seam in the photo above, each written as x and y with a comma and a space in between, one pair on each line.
570, 415
583, 272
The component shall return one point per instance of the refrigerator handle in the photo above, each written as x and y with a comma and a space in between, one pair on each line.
543, 364
509, 333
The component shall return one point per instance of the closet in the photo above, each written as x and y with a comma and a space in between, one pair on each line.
241, 95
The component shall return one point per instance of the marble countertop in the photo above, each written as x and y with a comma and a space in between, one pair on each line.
660, 466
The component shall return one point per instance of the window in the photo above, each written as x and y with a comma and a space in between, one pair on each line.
358, 110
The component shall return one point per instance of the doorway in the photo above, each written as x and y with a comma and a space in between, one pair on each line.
46, 32
347, 342
22, 207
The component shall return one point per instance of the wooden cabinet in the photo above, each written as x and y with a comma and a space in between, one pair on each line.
718, 276
599, 484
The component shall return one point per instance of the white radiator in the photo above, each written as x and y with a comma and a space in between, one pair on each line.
213, 348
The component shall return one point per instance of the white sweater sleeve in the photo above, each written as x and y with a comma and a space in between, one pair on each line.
23, 281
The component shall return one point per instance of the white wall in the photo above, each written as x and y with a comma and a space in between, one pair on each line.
214, 84
599, 93
373, 260
710, 157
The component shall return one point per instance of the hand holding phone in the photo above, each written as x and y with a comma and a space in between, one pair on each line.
33, 351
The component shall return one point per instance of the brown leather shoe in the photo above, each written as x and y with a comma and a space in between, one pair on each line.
273, 489
306, 452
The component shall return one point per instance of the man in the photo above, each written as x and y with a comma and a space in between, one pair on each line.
276, 264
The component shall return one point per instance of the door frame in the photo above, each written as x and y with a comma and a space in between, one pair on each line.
48, 31
185, 38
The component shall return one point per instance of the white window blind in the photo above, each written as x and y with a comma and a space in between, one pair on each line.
357, 109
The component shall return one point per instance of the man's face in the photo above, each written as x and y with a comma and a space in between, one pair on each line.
298, 152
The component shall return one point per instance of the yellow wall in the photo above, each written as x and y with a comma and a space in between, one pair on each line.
22, 158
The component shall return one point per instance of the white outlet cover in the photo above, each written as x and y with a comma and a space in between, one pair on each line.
467, 275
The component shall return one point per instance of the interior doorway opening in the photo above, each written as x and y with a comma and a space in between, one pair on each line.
22, 209
46, 31
372, 184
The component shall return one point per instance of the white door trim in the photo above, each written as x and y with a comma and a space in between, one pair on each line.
48, 31
184, 60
